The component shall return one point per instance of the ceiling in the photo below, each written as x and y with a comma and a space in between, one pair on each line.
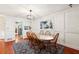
38, 10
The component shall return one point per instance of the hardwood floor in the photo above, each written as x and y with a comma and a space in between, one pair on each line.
9, 50
68, 50
2, 48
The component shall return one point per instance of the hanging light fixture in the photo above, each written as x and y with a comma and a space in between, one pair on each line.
30, 16
70, 5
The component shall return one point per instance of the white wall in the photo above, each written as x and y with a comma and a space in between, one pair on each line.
65, 22
7, 26
72, 28
25, 23
36, 24
59, 26
13, 20
2, 27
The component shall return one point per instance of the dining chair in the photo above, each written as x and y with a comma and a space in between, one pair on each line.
29, 35
53, 42
34, 36
41, 32
36, 43
47, 33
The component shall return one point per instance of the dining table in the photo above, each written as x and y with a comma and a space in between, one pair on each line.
41, 37
45, 37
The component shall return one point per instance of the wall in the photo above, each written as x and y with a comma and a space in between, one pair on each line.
72, 28
66, 22
2, 26
10, 26
7, 26
25, 23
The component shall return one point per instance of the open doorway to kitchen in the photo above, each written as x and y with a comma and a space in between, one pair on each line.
18, 30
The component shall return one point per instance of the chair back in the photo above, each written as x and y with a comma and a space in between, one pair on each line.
35, 39
33, 35
41, 32
36, 43
29, 35
55, 38
47, 33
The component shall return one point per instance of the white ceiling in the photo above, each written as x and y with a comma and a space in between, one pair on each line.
38, 10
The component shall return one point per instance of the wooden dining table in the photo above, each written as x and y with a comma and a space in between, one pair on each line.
45, 37
41, 37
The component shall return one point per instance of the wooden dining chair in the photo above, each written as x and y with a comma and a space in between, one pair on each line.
41, 32
54, 41
36, 43
34, 36
47, 33
29, 35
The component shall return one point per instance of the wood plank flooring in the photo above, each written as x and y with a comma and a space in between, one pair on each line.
68, 50
2, 48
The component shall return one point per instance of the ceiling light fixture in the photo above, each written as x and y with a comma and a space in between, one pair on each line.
30, 16
70, 5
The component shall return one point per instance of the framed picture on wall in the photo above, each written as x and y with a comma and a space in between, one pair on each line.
26, 27
46, 25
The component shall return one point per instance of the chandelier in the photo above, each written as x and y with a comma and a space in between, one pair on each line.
30, 15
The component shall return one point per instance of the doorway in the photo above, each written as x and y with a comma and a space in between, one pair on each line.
18, 28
